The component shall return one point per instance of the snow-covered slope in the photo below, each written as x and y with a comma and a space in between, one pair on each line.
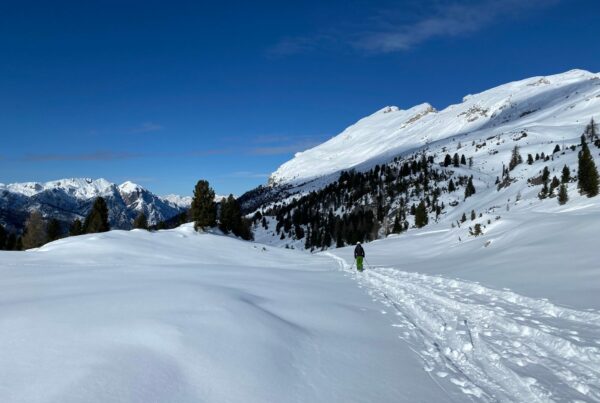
67, 199
177, 316
544, 104
512, 315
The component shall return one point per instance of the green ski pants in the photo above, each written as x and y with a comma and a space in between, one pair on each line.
359, 263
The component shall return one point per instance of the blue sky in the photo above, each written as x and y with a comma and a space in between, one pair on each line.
166, 93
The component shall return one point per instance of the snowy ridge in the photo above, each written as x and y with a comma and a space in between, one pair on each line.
81, 188
565, 99
67, 199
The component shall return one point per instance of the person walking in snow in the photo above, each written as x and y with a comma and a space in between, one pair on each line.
359, 255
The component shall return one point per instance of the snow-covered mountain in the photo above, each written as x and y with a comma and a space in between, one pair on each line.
550, 106
67, 199
400, 155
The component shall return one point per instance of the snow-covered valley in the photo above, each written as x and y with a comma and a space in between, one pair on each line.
177, 316
492, 294
181, 316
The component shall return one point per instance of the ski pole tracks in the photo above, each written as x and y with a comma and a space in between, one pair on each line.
495, 345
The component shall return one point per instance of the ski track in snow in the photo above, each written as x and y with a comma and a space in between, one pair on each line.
495, 345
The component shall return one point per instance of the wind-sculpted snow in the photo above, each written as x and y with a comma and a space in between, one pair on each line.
494, 345
177, 316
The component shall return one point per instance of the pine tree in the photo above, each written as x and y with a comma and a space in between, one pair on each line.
515, 158
397, 228
545, 175
529, 159
35, 231
544, 192
456, 160
470, 188
141, 221
19, 243
463, 160
566, 175
451, 186
447, 160
463, 218
421, 217
587, 172
97, 219
76, 228
554, 184
473, 215
592, 130
231, 220
11, 242
563, 196
53, 230
203, 209
3, 237
556, 149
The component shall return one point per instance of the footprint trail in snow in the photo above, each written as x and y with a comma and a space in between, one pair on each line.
495, 345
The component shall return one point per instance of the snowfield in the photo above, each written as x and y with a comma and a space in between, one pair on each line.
513, 315
177, 316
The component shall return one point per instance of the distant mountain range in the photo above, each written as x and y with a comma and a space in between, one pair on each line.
68, 199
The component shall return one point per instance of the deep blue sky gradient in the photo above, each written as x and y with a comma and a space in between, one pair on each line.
165, 93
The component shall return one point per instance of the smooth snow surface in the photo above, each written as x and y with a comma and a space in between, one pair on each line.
177, 316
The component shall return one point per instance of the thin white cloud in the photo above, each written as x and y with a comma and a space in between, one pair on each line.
147, 127
388, 30
448, 21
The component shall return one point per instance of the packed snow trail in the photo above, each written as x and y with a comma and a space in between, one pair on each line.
495, 345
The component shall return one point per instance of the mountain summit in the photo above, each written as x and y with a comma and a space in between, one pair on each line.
544, 103
67, 199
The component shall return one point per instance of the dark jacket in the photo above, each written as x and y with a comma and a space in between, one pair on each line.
359, 251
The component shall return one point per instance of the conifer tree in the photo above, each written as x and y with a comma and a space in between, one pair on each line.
587, 171
473, 215
563, 196
515, 158
97, 219
3, 237
18, 243
203, 209
554, 184
141, 221
566, 175
447, 160
231, 220
470, 188
76, 228
451, 186
456, 160
463, 218
529, 159
11, 242
53, 230
545, 175
397, 228
463, 160
556, 149
35, 231
421, 217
